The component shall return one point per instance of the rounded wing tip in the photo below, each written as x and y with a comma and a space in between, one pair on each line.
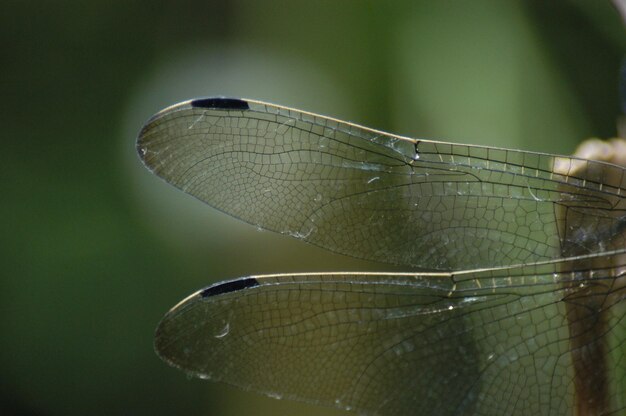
169, 329
215, 103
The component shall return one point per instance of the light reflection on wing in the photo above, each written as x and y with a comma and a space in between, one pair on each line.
538, 328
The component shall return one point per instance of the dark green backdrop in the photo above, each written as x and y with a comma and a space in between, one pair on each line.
94, 250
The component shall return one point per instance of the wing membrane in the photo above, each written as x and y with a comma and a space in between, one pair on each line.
381, 197
485, 342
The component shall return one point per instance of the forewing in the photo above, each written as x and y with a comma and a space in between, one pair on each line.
488, 342
381, 197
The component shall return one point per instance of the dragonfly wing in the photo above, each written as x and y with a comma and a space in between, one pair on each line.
487, 342
377, 196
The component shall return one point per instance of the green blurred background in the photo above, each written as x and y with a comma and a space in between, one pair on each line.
95, 250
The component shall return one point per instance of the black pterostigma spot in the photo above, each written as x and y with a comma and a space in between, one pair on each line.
221, 103
232, 286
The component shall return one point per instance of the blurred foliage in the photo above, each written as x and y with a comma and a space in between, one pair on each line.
95, 250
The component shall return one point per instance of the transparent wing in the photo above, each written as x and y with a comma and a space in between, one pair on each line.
488, 342
381, 197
